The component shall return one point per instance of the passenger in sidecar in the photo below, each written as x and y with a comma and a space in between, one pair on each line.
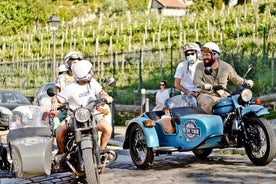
193, 130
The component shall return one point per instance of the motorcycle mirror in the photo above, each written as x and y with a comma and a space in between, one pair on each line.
208, 70
249, 68
51, 92
103, 80
111, 82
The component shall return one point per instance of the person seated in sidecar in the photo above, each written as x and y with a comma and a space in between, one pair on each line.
183, 78
167, 122
16, 122
214, 72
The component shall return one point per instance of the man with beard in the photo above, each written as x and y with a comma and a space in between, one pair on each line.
214, 72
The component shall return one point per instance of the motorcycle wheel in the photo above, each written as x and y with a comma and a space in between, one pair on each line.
202, 153
141, 155
260, 146
17, 165
90, 166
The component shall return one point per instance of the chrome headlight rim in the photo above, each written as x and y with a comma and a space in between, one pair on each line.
246, 95
82, 114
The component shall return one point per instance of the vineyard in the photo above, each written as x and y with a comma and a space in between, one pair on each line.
141, 48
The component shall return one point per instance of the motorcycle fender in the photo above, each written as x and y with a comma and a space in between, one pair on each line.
149, 132
86, 143
257, 109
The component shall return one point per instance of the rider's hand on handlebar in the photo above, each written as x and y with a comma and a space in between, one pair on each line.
216, 88
109, 99
250, 83
208, 86
55, 106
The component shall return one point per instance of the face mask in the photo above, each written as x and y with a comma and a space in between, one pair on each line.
191, 58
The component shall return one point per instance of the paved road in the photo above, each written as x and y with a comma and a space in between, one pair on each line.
175, 168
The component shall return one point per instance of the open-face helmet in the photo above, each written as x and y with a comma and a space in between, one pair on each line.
62, 68
82, 70
191, 46
213, 48
72, 56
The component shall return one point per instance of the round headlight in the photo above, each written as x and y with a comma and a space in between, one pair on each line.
82, 114
246, 95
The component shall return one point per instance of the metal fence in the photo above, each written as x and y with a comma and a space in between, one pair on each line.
132, 70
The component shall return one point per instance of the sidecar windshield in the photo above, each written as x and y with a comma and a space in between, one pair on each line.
27, 116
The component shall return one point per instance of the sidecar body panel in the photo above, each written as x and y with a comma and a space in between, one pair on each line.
194, 129
26, 151
149, 132
30, 139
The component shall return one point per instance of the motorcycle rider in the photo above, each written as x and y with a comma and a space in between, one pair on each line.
214, 72
78, 93
184, 74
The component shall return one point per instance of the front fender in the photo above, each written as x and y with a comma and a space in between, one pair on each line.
257, 109
149, 132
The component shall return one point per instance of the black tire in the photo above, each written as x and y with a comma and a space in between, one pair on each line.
140, 153
260, 146
90, 166
202, 153
17, 164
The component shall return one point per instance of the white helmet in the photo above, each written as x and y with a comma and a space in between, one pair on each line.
191, 46
212, 47
82, 70
73, 55
62, 68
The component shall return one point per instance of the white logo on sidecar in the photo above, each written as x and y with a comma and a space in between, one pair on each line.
190, 130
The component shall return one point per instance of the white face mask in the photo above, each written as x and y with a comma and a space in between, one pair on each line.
191, 58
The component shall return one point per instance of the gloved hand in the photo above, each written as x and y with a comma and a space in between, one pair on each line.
109, 99
250, 83
208, 86
55, 106
216, 88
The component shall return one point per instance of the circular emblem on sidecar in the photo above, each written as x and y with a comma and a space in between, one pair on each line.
190, 130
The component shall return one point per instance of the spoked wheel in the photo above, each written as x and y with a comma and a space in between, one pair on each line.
260, 144
141, 155
90, 166
202, 153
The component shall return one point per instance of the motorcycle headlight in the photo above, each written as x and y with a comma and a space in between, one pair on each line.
82, 114
246, 95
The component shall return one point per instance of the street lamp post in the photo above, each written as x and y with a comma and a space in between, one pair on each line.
54, 25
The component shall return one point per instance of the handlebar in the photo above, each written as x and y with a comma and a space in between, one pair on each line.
237, 90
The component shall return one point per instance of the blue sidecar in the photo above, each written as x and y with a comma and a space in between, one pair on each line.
187, 129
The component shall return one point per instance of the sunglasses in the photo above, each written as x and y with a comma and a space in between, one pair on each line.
161, 84
188, 54
75, 56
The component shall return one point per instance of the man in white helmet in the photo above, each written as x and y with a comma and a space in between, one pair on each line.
214, 72
65, 77
183, 78
78, 93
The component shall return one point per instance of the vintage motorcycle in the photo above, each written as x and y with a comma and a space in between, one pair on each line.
82, 148
236, 122
30, 141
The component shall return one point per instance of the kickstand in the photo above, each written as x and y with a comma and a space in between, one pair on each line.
104, 163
